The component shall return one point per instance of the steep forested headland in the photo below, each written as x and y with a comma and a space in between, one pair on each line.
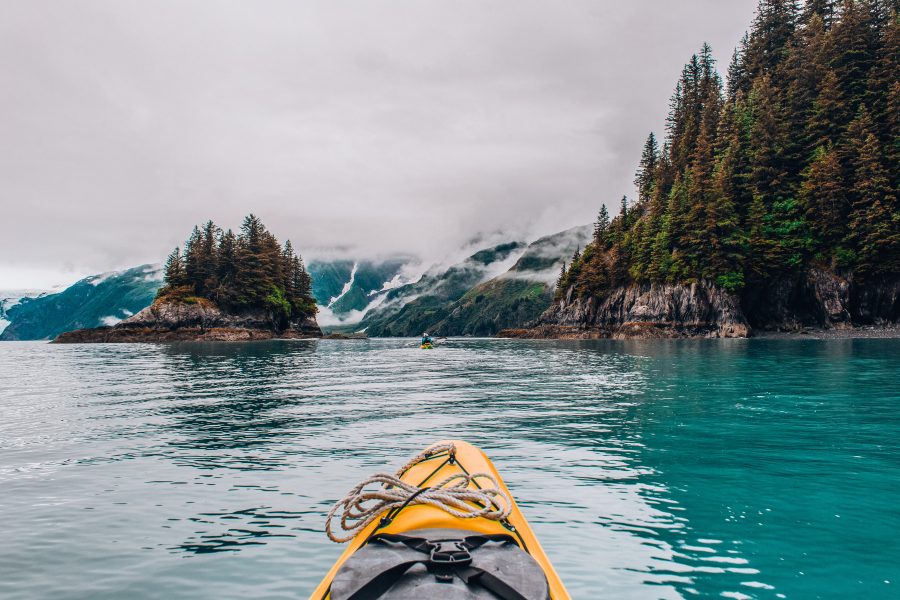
223, 286
772, 202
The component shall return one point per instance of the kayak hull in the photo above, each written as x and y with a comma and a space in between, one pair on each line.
428, 472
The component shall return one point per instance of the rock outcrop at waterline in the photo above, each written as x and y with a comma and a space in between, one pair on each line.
645, 311
820, 299
200, 320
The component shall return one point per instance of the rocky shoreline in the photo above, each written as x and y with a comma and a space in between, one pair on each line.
819, 304
198, 321
546, 332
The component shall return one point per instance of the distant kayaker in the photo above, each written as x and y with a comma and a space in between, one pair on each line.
426, 339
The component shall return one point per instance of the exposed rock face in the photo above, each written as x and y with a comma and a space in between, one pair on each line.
820, 299
649, 310
198, 321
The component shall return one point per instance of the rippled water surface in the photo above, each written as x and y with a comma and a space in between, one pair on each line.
737, 469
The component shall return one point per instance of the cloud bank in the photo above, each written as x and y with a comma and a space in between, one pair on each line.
366, 127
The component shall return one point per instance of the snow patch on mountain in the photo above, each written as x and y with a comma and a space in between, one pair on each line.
11, 298
347, 286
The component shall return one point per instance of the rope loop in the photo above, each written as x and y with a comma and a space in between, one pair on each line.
452, 495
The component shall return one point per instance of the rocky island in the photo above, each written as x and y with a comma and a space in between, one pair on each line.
773, 203
222, 287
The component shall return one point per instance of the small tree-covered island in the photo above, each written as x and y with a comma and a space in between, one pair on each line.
223, 287
771, 205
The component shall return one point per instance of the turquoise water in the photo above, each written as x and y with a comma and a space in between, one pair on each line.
735, 468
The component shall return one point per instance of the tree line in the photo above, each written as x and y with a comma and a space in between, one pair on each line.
239, 272
792, 162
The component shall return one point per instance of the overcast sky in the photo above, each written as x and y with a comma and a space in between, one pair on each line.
384, 126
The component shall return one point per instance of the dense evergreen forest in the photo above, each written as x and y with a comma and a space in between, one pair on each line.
791, 164
250, 270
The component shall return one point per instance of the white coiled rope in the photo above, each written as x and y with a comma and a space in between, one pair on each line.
452, 495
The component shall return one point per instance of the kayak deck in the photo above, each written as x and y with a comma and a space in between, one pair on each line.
467, 459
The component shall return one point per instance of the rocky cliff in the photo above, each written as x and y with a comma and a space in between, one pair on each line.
200, 320
820, 299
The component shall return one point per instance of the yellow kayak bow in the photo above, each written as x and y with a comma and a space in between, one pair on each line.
461, 459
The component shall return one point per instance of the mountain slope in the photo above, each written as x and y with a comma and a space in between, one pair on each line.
11, 298
516, 297
92, 302
483, 294
345, 289
410, 309
329, 278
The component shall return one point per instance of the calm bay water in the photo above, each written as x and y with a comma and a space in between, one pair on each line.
736, 468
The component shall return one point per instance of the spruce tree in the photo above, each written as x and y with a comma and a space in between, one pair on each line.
805, 69
302, 281
854, 44
772, 29
767, 140
829, 115
174, 273
661, 254
194, 260
759, 245
883, 77
601, 226
892, 133
624, 213
874, 223
825, 201
645, 178
823, 10
561, 280
725, 254
226, 268
737, 77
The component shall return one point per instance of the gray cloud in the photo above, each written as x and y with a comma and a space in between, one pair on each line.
380, 126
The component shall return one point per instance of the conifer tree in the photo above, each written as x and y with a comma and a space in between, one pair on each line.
829, 115
561, 280
601, 226
854, 44
805, 69
767, 139
758, 243
193, 259
288, 280
725, 252
882, 78
874, 223
772, 30
174, 272
624, 213
661, 253
823, 10
825, 200
892, 133
646, 173
856, 136
302, 281
738, 80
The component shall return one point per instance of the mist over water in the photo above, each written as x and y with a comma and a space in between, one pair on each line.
653, 469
